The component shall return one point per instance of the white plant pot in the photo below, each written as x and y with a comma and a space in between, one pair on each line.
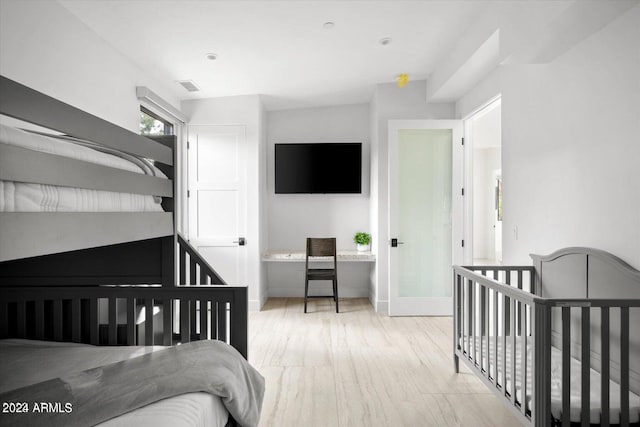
363, 248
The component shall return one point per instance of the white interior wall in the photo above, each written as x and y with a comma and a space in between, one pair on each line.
570, 145
294, 217
248, 111
389, 103
45, 47
571, 152
487, 89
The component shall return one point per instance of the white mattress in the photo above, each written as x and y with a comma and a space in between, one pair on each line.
28, 197
18, 359
556, 382
187, 410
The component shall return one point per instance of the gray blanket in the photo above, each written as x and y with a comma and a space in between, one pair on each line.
96, 395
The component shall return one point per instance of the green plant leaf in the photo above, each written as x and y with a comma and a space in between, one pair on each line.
362, 238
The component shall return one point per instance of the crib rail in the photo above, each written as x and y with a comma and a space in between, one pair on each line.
126, 315
491, 321
497, 324
606, 364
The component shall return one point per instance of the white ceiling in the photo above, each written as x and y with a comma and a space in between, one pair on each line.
279, 49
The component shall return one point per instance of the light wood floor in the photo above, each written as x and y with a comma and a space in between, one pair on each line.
357, 368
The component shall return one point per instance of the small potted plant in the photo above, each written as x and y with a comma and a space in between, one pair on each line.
362, 241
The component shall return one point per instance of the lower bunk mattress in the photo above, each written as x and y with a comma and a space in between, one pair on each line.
556, 379
196, 384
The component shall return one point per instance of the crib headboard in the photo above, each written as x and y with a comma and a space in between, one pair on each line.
585, 273
592, 273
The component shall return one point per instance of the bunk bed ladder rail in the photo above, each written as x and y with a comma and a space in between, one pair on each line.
193, 269
78, 313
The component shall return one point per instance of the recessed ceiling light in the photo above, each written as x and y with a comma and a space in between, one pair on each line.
212, 56
328, 25
385, 41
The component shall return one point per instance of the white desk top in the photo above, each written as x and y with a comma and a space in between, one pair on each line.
299, 256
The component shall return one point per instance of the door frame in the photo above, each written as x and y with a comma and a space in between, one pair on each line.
420, 306
468, 172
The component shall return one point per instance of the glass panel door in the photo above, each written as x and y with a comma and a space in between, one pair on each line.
425, 208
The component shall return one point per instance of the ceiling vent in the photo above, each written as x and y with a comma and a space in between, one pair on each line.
189, 85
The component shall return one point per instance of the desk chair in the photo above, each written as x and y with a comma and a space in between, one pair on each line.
321, 247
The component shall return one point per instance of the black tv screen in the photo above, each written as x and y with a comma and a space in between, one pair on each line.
327, 168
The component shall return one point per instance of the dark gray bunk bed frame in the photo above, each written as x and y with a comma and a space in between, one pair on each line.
55, 268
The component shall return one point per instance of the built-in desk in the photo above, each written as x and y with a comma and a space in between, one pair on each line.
285, 272
299, 256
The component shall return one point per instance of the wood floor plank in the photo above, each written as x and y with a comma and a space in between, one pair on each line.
359, 368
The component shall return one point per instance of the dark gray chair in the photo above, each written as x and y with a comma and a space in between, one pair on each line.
325, 247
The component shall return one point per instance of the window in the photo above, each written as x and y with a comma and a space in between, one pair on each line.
152, 124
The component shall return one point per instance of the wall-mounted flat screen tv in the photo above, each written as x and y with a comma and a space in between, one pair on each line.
327, 168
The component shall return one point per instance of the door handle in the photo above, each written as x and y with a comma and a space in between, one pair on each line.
241, 241
395, 243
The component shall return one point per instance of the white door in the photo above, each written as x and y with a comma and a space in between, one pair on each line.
425, 215
217, 197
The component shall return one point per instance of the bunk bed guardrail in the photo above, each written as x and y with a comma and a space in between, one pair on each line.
200, 306
72, 314
496, 324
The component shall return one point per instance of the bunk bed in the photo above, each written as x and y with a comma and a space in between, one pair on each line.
557, 341
90, 256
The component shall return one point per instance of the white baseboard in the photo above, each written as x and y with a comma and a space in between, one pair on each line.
255, 305
382, 307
